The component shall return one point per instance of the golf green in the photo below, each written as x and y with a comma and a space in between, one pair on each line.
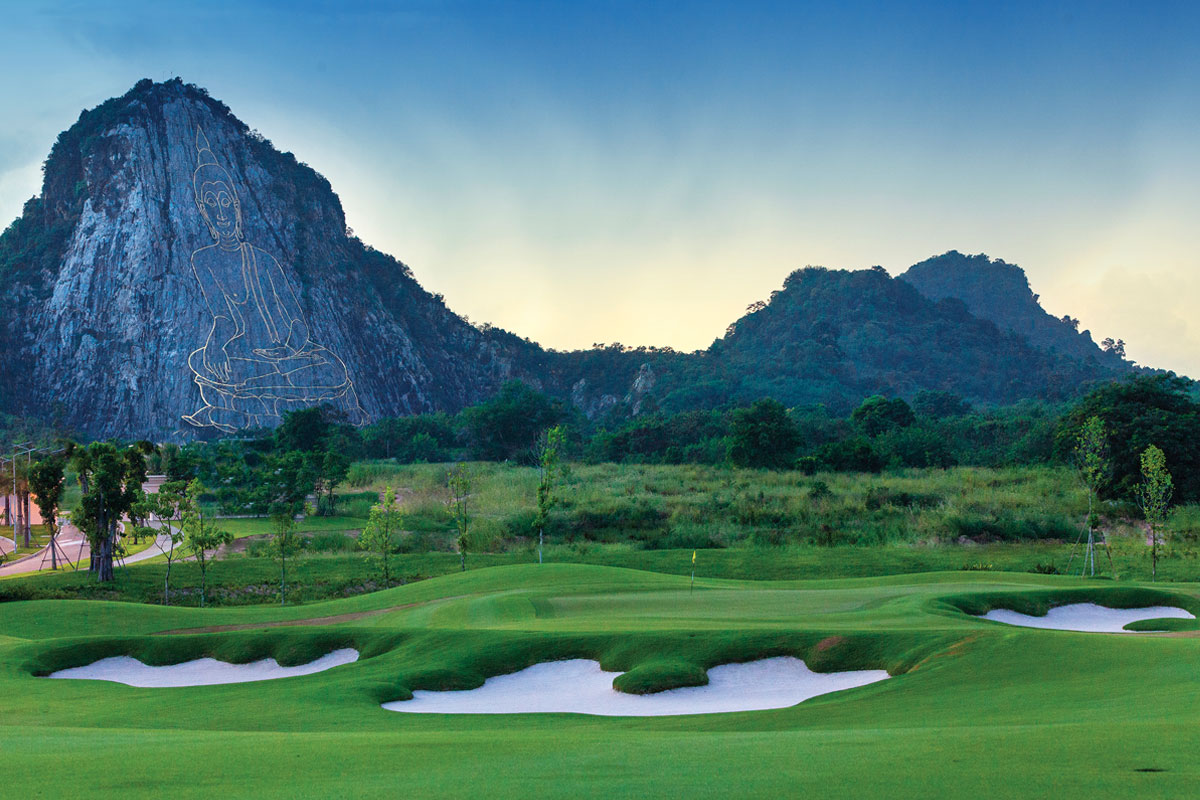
974, 708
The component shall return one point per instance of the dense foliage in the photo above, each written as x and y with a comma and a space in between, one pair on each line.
1153, 410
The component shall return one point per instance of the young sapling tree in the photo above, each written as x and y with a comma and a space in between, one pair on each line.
458, 481
284, 542
169, 505
200, 534
1091, 459
549, 449
1154, 496
379, 534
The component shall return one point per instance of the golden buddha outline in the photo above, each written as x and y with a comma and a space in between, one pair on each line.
258, 360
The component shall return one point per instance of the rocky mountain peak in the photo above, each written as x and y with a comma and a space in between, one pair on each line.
203, 280
996, 290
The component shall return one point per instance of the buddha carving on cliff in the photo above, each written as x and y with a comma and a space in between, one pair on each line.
258, 359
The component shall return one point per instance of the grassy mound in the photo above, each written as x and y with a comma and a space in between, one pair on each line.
658, 676
1168, 624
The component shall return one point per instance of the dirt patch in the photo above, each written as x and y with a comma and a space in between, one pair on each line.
1168, 634
953, 651
240, 545
828, 642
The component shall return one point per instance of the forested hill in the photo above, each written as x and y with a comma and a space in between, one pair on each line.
115, 297
835, 336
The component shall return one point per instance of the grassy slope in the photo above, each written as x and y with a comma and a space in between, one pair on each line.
243, 580
976, 709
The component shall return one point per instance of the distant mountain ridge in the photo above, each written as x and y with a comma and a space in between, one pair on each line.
178, 276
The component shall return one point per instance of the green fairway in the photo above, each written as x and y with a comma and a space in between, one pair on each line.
975, 708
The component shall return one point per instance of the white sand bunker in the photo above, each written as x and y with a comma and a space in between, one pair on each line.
579, 686
201, 672
1087, 617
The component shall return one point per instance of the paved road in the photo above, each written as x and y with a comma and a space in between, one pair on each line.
74, 543
77, 550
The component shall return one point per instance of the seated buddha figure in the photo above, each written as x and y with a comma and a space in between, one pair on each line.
258, 359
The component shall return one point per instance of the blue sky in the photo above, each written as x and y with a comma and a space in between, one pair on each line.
640, 172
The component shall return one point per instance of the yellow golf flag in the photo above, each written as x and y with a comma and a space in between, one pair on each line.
693, 556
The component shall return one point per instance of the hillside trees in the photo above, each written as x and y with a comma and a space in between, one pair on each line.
763, 435
501, 428
1147, 410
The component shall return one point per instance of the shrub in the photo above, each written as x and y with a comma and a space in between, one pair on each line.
880, 496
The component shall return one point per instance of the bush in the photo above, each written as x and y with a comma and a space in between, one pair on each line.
1006, 528
880, 496
638, 515
850, 455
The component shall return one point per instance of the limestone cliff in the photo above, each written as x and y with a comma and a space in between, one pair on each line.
109, 315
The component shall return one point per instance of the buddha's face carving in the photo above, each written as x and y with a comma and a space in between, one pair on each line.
220, 208
215, 195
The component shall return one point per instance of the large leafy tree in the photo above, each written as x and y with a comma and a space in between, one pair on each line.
1148, 410
110, 478
878, 414
306, 429
46, 480
505, 426
763, 435
329, 469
